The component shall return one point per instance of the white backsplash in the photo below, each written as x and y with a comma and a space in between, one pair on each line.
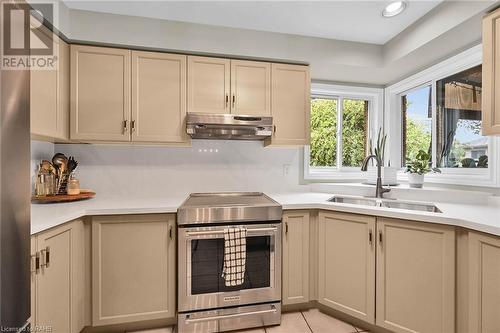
208, 165
211, 165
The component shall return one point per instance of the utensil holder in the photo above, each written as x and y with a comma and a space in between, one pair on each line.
62, 183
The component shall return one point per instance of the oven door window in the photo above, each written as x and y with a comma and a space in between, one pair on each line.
207, 260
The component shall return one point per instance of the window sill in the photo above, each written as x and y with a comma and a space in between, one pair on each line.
456, 176
449, 176
346, 174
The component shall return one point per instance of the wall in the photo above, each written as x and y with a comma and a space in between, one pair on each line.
257, 168
206, 166
330, 60
441, 20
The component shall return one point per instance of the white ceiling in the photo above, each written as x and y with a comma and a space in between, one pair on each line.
359, 21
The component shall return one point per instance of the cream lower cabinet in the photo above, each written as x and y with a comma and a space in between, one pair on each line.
484, 283
49, 97
295, 257
133, 268
346, 277
57, 279
415, 277
290, 105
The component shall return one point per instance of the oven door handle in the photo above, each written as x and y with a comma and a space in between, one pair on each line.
221, 232
190, 320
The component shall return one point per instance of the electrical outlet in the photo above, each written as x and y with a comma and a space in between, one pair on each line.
286, 169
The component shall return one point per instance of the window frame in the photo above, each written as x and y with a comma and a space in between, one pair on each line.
487, 177
401, 163
375, 97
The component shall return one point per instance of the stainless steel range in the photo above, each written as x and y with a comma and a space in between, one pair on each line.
205, 302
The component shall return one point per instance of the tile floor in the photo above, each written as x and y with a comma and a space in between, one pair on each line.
308, 321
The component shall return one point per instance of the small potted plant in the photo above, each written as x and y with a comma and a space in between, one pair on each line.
389, 174
417, 167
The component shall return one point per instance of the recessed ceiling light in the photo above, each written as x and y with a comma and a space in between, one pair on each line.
394, 8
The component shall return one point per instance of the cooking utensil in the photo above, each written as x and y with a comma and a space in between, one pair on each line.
64, 164
72, 164
48, 167
60, 162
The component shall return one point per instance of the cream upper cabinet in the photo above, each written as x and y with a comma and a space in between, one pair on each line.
295, 257
133, 268
250, 88
290, 104
484, 283
58, 284
491, 74
415, 277
158, 97
217, 85
49, 97
100, 93
346, 277
123, 95
208, 85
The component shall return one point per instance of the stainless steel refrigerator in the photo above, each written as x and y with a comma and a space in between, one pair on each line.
14, 199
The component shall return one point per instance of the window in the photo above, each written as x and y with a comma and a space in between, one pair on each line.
354, 132
331, 133
323, 132
343, 118
417, 122
439, 110
458, 122
459, 140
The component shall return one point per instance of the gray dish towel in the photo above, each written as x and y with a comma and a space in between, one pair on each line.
235, 254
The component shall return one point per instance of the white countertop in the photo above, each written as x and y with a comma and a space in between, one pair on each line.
45, 216
483, 217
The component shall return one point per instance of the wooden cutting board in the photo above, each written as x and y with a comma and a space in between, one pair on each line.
63, 197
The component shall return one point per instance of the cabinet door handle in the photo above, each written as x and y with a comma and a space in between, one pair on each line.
380, 237
227, 100
286, 228
170, 232
370, 236
274, 129
125, 126
132, 125
37, 262
45, 257
234, 100
42, 257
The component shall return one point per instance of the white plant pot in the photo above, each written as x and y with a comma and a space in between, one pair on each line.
415, 180
389, 175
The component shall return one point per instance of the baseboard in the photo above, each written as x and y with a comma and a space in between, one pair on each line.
298, 306
135, 326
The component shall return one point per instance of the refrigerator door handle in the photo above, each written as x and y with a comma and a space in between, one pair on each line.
35, 263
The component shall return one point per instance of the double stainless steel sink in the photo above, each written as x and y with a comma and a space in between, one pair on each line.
387, 203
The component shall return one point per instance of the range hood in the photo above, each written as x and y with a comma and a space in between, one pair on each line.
228, 126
